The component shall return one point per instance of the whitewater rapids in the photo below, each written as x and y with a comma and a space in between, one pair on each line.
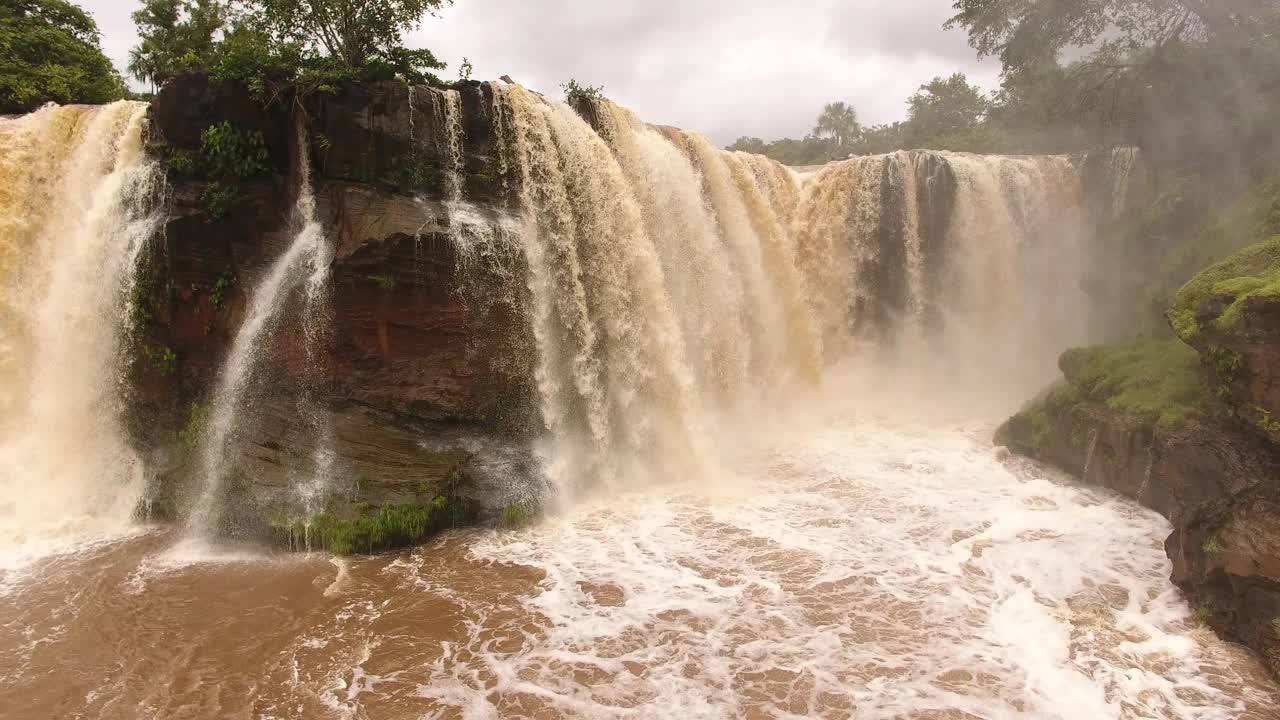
877, 568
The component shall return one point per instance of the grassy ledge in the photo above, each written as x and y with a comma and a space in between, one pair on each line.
1157, 380
1250, 273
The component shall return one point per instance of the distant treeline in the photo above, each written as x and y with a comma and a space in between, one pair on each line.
1195, 84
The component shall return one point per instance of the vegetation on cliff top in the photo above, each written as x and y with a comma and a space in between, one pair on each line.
50, 53
1250, 273
268, 45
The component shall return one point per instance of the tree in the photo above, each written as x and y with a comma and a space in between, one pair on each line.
51, 54
1024, 33
748, 144
839, 122
944, 110
355, 34
175, 35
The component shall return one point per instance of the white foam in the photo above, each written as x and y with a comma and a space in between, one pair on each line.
891, 570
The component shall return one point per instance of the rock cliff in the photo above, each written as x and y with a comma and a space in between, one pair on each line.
422, 382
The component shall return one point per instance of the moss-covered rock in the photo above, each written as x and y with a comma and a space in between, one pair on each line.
360, 528
1155, 380
1220, 293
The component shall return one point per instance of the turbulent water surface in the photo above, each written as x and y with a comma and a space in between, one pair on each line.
757, 391
873, 569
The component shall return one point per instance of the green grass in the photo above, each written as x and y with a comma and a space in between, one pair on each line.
1250, 273
1154, 379
517, 515
384, 528
1204, 614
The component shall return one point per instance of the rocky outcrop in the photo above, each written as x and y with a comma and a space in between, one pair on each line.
1214, 471
422, 399
1230, 313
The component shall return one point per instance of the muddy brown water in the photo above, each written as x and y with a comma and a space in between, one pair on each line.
885, 574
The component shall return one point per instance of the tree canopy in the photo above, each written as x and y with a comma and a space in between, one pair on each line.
175, 35
944, 111
51, 54
838, 122
269, 43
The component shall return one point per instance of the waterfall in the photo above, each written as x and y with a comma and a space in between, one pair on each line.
673, 285
77, 207
650, 288
305, 264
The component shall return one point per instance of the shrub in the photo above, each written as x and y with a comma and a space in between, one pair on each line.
219, 200
573, 92
387, 527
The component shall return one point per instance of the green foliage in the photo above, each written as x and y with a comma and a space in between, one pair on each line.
224, 283
197, 420
162, 359
354, 33
409, 175
1204, 614
175, 36
788, 151
227, 151
1212, 546
49, 53
838, 122
465, 69
273, 46
385, 281
575, 92
391, 526
1250, 273
1156, 380
1266, 422
248, 55
516, 515
945, 113
219, 200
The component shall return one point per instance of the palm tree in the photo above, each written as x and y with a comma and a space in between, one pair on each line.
839, 121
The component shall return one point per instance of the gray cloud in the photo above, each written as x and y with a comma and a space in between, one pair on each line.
723, 67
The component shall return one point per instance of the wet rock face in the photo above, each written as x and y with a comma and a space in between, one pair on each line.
421, 399
1244, 361
1217, 480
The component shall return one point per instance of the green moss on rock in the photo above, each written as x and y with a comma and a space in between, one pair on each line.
1153, 379
371, 530
1250, 273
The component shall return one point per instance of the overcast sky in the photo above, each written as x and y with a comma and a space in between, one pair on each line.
724, 67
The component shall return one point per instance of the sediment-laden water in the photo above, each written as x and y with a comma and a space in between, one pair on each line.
765, 404
872, 569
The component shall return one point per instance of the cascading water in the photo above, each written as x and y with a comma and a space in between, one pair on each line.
78, 204
866, 557
617, 397
305, 264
